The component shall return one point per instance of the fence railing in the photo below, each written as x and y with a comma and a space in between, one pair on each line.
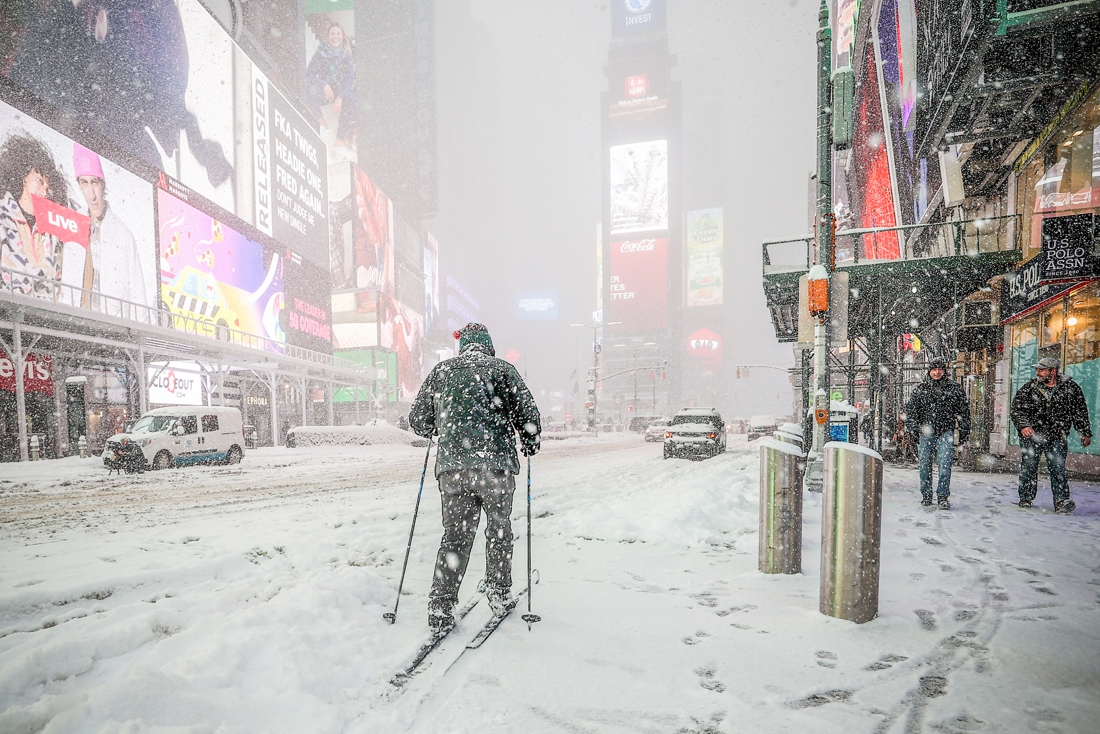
49, 291
969, 237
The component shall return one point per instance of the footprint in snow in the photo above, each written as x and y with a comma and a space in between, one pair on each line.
927, 618
933, 541
886, 662
820, 699
706, 679
965, 615
826, 659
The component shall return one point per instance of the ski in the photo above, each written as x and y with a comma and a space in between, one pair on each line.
403, 676
491, 626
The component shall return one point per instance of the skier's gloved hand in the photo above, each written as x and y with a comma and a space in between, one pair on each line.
530, 446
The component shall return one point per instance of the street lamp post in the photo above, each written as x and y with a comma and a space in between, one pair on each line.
595, 374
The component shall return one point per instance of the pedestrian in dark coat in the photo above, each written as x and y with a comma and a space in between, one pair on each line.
935, 409
476, 404
1044, 411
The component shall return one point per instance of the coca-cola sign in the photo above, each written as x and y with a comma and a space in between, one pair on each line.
637, 246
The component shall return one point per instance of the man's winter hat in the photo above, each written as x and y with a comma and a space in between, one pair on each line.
1048, 363
474, 334
937, 363
86, 163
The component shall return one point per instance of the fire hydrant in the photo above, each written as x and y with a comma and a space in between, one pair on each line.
83, 445
36, 452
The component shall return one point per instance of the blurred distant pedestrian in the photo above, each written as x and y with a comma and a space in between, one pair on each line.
1044, 411
934, 410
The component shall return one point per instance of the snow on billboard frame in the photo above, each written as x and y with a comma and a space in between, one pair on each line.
127, 225
178, 110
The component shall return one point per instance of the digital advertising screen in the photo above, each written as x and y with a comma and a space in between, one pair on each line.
161, 79
704, 258
639, 187
354, 319
401, 329
369, 262
431, 282
637, 17
537, 305
638, 284
217, 280
307, 316
93, 222
639, 87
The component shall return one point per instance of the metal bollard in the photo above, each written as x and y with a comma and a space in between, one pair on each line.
82, 444
36, 449
851, 532
781, 466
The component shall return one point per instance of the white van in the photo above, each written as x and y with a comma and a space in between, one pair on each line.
180, 436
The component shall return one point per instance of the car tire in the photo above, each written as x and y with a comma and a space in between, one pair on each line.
665, 453
163, 460
233, 456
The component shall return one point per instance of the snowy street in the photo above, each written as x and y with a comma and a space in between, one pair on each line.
250, 599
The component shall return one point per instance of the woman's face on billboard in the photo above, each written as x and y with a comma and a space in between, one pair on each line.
34, 184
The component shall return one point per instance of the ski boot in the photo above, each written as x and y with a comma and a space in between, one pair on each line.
1065, 507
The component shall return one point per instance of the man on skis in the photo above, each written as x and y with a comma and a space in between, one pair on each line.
476, 404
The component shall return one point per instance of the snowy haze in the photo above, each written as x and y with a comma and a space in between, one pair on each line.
519, 153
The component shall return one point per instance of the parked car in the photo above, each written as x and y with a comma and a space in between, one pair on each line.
656, 430
695, 432
639, 423
180, 436
761, 425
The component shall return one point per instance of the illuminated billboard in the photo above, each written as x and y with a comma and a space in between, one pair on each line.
637, 17
537, 305
431, 282
164, 81
354, 319
307, 318
401, 329
638, 289
83, 221
639, 187
216, 281
704, 258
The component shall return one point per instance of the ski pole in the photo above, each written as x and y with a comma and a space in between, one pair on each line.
529, 618
391, 617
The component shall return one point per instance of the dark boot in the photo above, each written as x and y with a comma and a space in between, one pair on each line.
1065, 507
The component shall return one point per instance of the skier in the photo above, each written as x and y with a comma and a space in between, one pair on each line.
476, 404
933, 410
1043, 411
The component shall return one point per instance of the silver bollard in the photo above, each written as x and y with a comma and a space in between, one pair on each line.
851, 532
36, 448
781, 466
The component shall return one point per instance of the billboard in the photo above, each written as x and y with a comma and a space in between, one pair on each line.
82, 221
431, 282
401, 329
639, 187
637, 17
704, 258
354, 319
162, 79
37, 374
371, 264
537, 305
175, 383
639, 87
214, 276
307, 318
638, 288
705, 345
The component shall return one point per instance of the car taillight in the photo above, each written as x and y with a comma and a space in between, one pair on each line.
712, 435
668, 434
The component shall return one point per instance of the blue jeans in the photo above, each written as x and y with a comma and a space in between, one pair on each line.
1055, 450
943, 446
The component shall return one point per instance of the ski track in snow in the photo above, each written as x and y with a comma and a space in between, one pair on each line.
250, 598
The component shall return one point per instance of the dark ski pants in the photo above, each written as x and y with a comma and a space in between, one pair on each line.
465, 494
943, 448
1055, 450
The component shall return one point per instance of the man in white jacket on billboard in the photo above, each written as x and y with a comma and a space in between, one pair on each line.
114, 268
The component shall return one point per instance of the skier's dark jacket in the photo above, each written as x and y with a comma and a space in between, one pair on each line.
1051, 417
935, 406
475, 403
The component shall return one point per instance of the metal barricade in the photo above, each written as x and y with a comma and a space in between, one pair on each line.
851, 532
781, 466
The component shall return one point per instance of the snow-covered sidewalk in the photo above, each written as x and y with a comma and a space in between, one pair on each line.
250, 599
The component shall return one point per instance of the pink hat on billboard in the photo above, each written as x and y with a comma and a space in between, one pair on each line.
86, 162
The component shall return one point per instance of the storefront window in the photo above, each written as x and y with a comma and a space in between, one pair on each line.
1054, 322
1083, 326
